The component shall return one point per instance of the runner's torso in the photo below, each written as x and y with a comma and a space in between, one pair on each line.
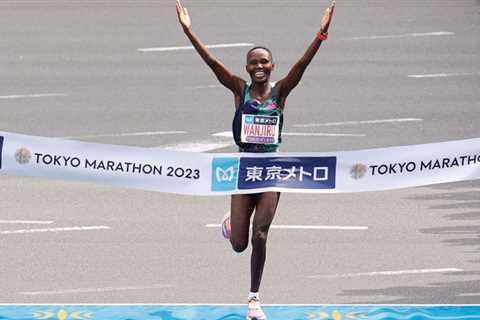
257, 126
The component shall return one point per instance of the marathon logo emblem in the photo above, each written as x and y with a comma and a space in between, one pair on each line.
1, 148
287, 172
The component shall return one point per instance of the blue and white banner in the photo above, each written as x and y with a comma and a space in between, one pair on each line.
219, 173
237, 312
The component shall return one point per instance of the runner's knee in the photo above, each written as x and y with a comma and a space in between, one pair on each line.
259, 236
239, 246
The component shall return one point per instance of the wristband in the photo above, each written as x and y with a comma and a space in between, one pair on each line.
322, 36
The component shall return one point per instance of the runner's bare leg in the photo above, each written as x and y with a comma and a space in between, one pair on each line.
241, 209
265, 211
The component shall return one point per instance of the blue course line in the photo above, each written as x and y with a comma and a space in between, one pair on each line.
237, 312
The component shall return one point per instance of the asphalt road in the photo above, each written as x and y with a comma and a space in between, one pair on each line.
411, 60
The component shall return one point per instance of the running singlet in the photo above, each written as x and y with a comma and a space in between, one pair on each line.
257, 127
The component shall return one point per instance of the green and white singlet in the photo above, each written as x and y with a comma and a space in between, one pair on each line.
257, 126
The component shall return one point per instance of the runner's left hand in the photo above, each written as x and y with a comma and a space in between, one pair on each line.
327, 18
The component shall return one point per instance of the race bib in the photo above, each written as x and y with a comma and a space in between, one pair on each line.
260, 129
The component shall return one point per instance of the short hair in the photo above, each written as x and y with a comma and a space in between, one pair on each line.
261, 47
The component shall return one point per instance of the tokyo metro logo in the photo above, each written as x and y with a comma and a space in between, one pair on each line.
287, 172
224, 174
247, 173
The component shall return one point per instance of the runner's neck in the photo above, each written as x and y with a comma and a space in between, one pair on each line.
261, 91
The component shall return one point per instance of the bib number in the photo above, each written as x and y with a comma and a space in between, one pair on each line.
260, 129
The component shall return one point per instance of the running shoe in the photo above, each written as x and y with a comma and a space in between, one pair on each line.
226, 228
255, 311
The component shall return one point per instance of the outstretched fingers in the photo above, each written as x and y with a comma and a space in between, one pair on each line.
182, 14
327, 17
179, 8
331, 9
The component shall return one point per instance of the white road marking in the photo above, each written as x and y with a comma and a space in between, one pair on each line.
472, 294
385, 273
302, 227
25, 222
212, 46
228, 134
211, 86
349, 123
128, 134
392, 36
92, 290
198, 146
38, 95
438, 75
23, 231
319, 134
209, 145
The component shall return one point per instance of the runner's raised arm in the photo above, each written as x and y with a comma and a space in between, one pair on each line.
295, 74
226, 78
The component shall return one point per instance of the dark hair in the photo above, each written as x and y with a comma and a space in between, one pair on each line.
261, 47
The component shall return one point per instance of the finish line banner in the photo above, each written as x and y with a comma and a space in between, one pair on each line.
219, 173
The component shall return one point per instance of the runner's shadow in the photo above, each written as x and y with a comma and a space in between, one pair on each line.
456, 292
463, 197
469, 236
467, 202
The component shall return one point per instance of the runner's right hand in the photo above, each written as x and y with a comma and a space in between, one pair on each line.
183, 16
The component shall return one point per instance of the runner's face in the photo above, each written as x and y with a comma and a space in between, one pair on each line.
259, 65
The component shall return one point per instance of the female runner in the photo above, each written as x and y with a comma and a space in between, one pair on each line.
260, 97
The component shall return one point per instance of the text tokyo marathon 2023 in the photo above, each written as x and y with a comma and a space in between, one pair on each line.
443, 163
75, 162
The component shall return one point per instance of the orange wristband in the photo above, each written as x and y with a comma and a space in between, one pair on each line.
322, 36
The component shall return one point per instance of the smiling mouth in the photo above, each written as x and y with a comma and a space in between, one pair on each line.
259, 74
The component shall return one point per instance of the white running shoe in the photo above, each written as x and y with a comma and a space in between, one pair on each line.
226, 228
255, 311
